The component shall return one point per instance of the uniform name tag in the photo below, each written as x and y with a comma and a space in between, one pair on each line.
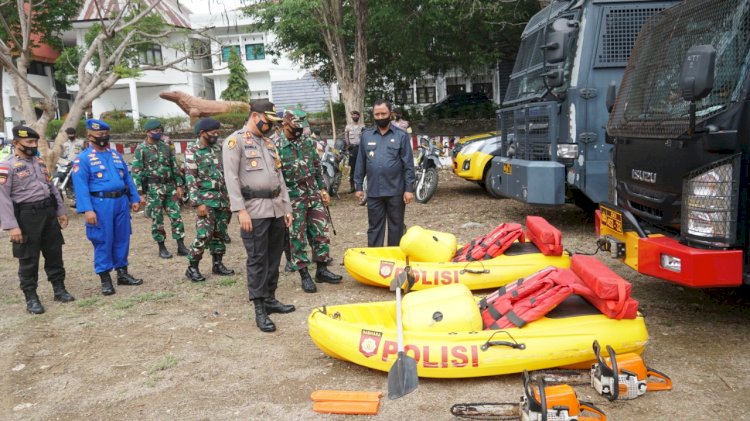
372, 143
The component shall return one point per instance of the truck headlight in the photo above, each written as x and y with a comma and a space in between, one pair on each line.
567, 151
709, 202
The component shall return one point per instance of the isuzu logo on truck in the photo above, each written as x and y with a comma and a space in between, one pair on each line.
646, 176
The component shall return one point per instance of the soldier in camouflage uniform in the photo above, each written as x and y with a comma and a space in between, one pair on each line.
300, 165
159, 182
208, 193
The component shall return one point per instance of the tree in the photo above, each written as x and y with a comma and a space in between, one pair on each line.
110, 53
237, 86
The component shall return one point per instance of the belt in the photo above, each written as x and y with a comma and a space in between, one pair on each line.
108, 194
248, 194
39, 204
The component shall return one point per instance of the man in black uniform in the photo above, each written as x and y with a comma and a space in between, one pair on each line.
33, 212
385, 157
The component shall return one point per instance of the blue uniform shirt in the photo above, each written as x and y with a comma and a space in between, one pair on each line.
104, 171
387, 161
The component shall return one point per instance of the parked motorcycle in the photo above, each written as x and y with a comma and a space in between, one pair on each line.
426, 170
61, 179
331, 164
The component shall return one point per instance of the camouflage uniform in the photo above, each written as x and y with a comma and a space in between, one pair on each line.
304, 180
157, 176
205, 183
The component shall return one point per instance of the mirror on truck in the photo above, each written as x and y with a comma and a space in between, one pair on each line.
558, 40
697, 77
554, 78
611, 95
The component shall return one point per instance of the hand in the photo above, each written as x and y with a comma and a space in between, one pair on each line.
408, 197
325, 197
288, 220
143, 201
360, 195
63, 221
202, 211
246, 224
90, 217
16, 236
135, 207
180, 193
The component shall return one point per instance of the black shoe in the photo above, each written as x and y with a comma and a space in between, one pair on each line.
275, 306
60, 293
193, 273
107, 287
33, 305
226, 239
262, 320
219, 268
163, 252
181, 249
307, 283
325, 275
124, 278
288, 267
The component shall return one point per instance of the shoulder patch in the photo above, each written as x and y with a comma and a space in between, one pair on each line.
231, 143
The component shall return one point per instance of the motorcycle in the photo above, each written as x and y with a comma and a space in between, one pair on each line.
331, 162
426, 170
61, 179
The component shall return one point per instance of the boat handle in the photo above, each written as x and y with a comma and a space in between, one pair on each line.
514, 344
466, 269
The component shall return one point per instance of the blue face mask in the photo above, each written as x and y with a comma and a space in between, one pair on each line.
155, 136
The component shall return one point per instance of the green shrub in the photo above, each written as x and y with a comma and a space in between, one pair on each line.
120, 125
54, 127
232, 120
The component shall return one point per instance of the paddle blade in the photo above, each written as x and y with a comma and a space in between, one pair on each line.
402, 378
398, 281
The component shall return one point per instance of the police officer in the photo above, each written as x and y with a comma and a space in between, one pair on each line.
105, 190
352, 136
400, 122
33, 212
385, 157
258, 195
159, 181
307, 192
73, 146
207, 192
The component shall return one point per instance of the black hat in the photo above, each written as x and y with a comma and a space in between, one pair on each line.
23, 132
70, 130
208, 124
266, 107
355, 112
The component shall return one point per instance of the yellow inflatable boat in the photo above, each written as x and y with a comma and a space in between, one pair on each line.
443, 333
377, 266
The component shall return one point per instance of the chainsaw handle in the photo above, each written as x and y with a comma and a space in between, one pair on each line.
589, 407
612, 372
665, 384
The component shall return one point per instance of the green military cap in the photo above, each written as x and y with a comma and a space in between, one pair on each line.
152, 125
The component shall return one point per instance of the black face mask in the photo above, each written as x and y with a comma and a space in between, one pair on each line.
101, 141
297, 132
212, 139
261, 124
29, 150
355, 119
382, 122
72, 137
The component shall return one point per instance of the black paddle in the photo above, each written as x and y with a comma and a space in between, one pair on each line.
402, 378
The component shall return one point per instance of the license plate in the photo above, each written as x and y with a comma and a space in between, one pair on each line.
508, 168
611, 219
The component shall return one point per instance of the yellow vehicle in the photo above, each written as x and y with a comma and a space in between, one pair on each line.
474, 158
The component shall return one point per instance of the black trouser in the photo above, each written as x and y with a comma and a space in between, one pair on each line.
42, 233
353, 152
264, 246
378, 208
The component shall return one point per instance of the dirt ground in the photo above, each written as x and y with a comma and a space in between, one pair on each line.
170, 349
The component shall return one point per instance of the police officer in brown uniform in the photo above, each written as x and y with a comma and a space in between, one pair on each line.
33, 212
258, 195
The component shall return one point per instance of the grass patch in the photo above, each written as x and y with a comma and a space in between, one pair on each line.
140, 298
167, 362
226, 282
87, 302
12, 300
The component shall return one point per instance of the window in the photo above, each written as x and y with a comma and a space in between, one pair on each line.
405, 96
455, 89
255, 52
426, 94
36, 68
150, 54
226, 50
482, 87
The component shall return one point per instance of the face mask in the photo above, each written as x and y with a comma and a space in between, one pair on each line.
71, 138
261, 124
382, 122
212, 139
297, 132
29, 150
355, 119
398, 116
101, 141
155, 136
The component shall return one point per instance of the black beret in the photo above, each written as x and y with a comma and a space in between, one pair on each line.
208, 124
23, 132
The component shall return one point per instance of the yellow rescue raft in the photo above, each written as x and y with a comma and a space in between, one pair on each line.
443, 333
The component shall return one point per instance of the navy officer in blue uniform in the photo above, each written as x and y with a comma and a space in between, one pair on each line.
105, 194
386, 158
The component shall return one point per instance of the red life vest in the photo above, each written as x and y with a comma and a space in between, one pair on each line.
544, 235
490, 245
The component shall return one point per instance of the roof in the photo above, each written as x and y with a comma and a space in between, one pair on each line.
173, 13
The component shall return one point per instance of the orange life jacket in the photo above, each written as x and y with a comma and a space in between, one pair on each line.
490, 245
544, 235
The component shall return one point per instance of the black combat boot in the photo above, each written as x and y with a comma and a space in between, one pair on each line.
124, 278
275, 306
193, 273
61, 294
226, 238
163, 252
322, 274
219, 268
307, 283
261, 317
33, 305
107, 287
181, 249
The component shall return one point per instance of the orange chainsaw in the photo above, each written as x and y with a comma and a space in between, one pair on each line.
540, 403
625, 376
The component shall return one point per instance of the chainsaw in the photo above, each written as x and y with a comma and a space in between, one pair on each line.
625, 376
540, 403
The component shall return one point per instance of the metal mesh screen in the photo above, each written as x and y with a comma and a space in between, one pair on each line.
620, 28
540, 18
649, 103
527, 129
526, 78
